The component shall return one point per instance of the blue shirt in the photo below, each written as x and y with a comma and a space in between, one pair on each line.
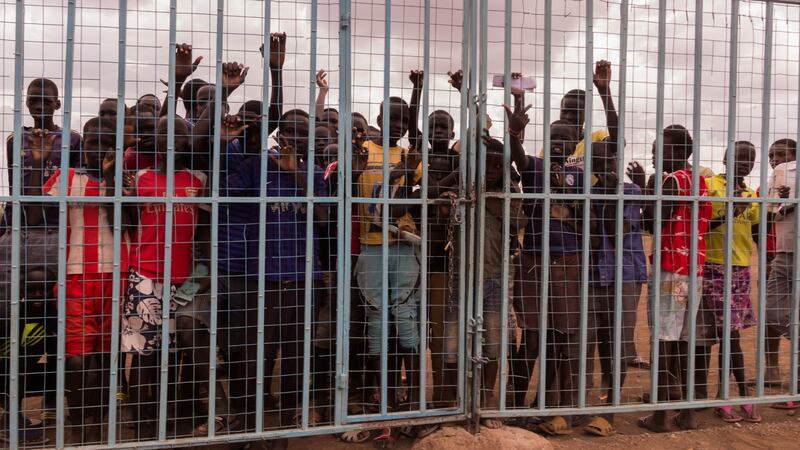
285, 222
634, 265
563, 237
237, 219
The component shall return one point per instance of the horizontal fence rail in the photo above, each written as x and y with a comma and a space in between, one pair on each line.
241, 223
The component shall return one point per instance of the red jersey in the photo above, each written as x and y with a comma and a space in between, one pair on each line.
147, 257
90, 239
676, 233
134, 160
772, 242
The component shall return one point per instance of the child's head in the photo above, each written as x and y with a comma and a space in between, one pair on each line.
572, 107
42, 98
189, 94
744, 158
99, 138
440, 129
149, 101
329, 116
494, 163
108, 109
37, 288
374, 134
250, 115
782, 151
360, 122
293, 126
145, 129
677, 148
604, 157
181, 136
399, 119
563, 139
323, 136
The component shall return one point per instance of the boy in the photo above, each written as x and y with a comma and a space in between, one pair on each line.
565, 246
141, 309
328, 117
674, 314
745, 217
780, 284
90, 274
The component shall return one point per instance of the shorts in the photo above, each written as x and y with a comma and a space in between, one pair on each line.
403, 289
673, 313
492, 305
780, 301
88, 313
742, 315
141, 315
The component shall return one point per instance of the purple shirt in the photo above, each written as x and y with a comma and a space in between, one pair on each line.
52, 164
563, 237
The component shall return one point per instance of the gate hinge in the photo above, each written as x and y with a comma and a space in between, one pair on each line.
344, 20
341, 381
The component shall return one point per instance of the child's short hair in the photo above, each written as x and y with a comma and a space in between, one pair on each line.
494, 146
334, 110
291, 112
45, 83
679, 137
791, 144
99, 125
360, 116
450, 121
252, 106
579, 93
399, 101
189, 92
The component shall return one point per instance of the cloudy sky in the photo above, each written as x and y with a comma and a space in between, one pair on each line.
147, 38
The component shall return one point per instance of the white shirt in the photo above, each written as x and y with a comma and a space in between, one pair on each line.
783, 175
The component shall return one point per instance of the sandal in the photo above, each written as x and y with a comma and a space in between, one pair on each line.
219, 425
727, 414
557, 426
785, 405
356, 436
750, 414
387, 438
599, 427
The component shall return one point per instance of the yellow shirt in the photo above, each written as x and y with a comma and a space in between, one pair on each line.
742, 240
370, 185
576, 158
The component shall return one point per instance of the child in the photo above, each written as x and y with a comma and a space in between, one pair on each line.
328, 117
745, 216
90, 276
141, 310
673, 315
565, 246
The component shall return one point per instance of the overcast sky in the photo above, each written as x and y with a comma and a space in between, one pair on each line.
147, 38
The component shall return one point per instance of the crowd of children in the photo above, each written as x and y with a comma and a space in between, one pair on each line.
265, 238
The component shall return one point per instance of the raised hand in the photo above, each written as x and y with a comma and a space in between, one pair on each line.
783, 191
287, 155
233, 75
517, 121
635, 172
322, 81
40, 143
184, 65
277, 50
231, 128
456, 79
516, 90
128, 183
417, 77
556, 175
412, 158
602, 75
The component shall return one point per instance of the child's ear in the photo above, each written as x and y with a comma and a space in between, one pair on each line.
58, 104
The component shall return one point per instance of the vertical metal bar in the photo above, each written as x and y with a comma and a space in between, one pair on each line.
423, 282
168, 211
344, 199
587, 204
620, 216
466, 121
480, 209
696, 133
656, 284
387, 38
726, 313
262, 212
501, 364
309, 270
214, 256
545, 263
118, 270
16, 221
62, 220
793, 332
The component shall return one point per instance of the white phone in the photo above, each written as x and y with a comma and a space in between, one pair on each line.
524, 83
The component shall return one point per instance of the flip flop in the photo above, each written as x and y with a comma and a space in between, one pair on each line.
557, 426
727, 414
599, 427
750, 414
785, 405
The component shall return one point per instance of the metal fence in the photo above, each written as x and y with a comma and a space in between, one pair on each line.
323, 278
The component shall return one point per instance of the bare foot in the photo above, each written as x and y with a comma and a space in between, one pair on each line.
686, 420
653, 423
492, 424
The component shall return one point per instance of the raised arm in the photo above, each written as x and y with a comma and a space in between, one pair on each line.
40, 144
517, 121
417, 77
322, 92
184, 68
277, 56
602, 81
233, 75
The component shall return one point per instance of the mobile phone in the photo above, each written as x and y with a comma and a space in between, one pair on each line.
524, 83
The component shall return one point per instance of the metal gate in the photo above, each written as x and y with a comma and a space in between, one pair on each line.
398, 311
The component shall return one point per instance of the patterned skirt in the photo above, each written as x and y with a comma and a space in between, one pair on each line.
742, 315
